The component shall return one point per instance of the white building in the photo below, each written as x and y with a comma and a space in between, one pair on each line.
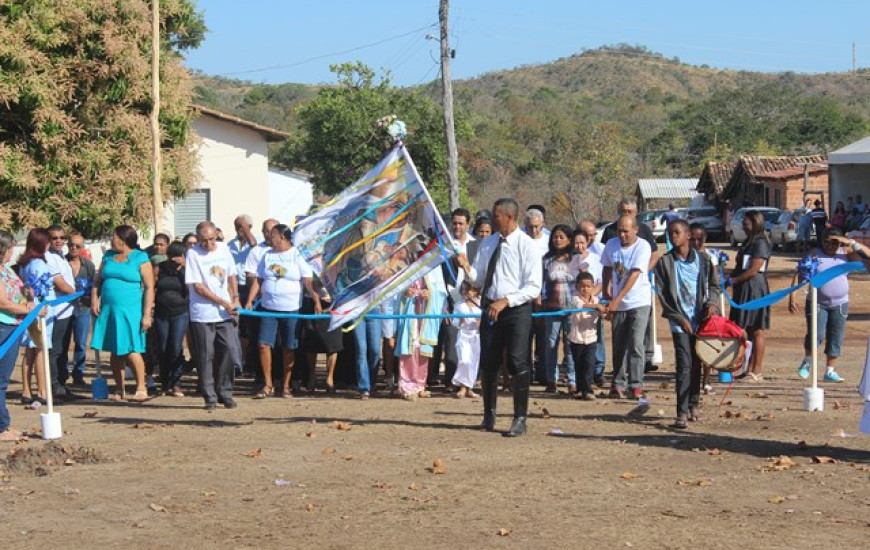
850, 171
234, 162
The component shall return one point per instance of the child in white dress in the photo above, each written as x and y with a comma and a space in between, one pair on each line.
467, 341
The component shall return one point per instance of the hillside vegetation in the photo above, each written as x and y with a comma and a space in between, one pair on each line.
577, 133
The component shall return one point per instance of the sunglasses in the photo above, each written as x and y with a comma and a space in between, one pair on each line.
75, 245
58, 238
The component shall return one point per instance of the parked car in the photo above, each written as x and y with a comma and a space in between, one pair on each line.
655, 219
709, 217
862, 234
784, 232
735, 230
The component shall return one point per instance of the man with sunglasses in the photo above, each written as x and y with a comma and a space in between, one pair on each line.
64, 283
79, 328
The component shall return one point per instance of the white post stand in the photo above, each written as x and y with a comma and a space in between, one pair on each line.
51, 427
814, 396
657, 358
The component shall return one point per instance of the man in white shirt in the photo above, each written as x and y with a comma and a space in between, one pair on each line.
533, 224
463, 243
240, 247
626, 262
597, 247
249, 327
210, 275
64, 283
508, 271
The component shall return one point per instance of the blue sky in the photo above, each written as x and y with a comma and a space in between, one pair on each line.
289, 41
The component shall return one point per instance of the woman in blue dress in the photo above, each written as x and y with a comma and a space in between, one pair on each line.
121, 301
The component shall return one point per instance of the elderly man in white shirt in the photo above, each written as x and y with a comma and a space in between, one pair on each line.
210, 274
508, 271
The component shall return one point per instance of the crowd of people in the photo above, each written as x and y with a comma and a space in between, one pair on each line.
175, 306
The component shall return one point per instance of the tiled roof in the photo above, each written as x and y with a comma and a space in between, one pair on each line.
750, 167
715, 177
270, 134
791, 173
667, 188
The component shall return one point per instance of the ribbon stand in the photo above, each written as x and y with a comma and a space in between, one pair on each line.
814, 396
51, 426
658, 357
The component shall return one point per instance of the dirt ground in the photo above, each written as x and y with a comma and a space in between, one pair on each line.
338, 472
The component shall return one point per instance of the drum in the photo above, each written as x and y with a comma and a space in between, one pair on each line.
723, 354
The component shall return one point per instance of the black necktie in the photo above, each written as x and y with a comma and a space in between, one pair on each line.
490, 269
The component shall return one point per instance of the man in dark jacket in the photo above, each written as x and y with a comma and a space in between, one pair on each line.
689, 291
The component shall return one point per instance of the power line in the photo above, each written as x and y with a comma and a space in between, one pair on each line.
333, 54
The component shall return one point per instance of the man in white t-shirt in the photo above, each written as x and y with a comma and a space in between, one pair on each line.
210, 274
64, 283
249, 327
626, 261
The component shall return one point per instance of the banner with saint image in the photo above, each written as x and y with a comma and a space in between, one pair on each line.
376, 237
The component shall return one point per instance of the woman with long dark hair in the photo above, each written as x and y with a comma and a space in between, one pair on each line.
121, 300
749, 279
556, 294
32, 266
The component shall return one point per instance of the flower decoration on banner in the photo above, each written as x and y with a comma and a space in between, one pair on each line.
723, 259
394, 127
397, 129
808, 267
40, 285
84, 285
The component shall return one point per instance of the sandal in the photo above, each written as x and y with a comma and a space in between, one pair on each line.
424, 394
117, 397
26, 400
286, 393
694, 416
139, 397
267, 391
176, 392
681, 423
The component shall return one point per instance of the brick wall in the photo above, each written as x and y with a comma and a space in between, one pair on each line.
792, 190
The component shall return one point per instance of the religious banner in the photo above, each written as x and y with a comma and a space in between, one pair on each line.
376, 237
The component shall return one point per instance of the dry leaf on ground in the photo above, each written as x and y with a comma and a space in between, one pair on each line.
253, 453
343, 426
628, 475
504, 532
438, 467
157, 507
824, 460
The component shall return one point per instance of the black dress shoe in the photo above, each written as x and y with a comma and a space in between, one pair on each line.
210, 405
230, 403
518, 427
488, 423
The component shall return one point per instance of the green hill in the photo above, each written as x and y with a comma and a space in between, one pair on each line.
576, 133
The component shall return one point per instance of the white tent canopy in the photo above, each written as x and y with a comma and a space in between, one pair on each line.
849, 171
854, 153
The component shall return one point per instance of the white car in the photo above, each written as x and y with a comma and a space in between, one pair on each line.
735, 230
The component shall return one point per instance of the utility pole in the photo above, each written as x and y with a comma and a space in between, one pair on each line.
854, 64
156, 177
447, 91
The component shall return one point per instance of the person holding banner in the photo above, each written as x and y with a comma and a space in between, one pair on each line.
508, 269
749, 280
416, 337
13, 307
833, 301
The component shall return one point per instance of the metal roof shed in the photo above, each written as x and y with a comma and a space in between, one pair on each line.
849, 171
660, 191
